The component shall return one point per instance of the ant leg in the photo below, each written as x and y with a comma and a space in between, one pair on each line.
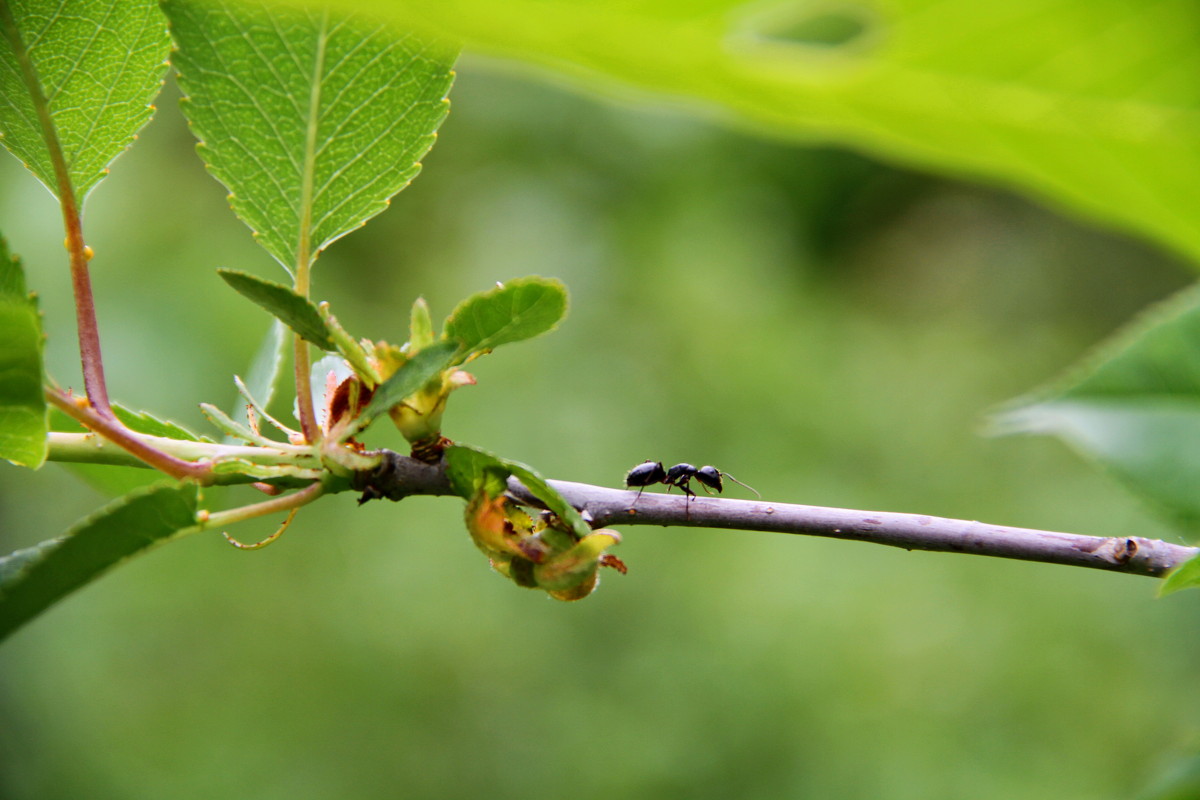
687, 499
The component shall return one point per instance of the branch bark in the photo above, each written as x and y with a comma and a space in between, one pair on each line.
399, 477
1130, 554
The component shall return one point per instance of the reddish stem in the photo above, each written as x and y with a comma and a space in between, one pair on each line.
118, 434
85, 310
304, 402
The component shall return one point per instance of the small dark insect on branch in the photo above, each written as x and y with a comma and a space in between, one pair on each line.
649, 473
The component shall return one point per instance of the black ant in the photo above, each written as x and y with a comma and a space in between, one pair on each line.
680, 475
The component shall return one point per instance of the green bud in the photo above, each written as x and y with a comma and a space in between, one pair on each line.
420, 326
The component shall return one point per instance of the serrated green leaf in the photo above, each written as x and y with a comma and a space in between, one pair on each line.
297, 312
23, 422
147, 423
1093, 106
312, 120
408, 379
77, 81
465, 467
138, 421
33, 579
519, 309
233, 430
1134, 407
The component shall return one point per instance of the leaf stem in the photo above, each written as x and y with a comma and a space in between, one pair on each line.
285, 503
91, 448
85, 314
118, 434
304, 403
81, 283
304, 252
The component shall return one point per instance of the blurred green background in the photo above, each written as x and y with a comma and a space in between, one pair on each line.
827, 328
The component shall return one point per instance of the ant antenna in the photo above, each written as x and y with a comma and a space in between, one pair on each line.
739, 483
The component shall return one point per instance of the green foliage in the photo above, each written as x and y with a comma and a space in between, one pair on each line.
705, 654
520, 309
226, 424
76, 83
147, 423
468, 467
262, 381
1134, 407
420, 325
33, 579
561, 556
1180, 781
1090, 105
311, 120
23, 423
290, 308
406, 381
1185, 576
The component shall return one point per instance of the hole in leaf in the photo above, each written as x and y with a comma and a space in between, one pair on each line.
812, 26
826, 29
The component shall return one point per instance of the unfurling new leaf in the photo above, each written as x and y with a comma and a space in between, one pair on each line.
561, 555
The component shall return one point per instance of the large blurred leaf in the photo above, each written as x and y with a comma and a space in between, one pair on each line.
1093, 104
1179, 781
312, 120
78, 76
23, 423
33, 579
1135, 407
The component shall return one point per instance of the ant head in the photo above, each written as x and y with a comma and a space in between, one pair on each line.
710, 477
646, 474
